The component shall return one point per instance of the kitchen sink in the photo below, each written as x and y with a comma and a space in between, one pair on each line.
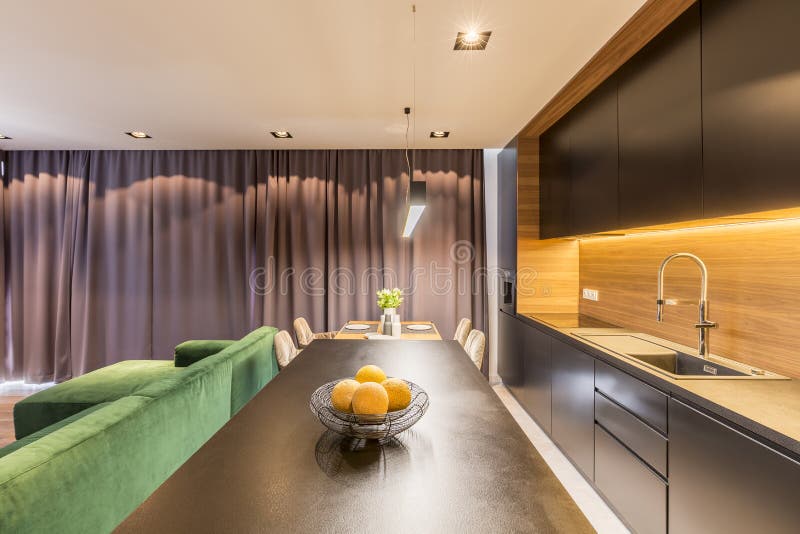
667, 359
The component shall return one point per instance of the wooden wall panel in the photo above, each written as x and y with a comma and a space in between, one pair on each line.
547, 270
754, 284
547, 276
528, 188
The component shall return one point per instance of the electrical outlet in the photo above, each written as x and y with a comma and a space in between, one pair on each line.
590, 294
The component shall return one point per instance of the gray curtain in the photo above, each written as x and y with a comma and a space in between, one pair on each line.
114, 255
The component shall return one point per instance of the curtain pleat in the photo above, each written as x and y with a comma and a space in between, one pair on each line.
200, 261
112, 277
290, 236
115, 255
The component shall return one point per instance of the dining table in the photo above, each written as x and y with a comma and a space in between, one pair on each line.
465, 466
418, 330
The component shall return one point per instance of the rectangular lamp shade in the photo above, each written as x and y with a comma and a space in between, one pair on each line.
416, 205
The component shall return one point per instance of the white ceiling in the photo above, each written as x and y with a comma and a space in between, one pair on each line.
201, 74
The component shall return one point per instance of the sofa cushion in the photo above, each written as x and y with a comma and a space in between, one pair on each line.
253, 365
193, 351
108, 384
89, 475
30, 438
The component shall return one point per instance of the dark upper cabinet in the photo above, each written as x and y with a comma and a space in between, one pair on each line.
573, 404
507, 207
535, 396
594, 165
579, 167
660, 133
554, 180
723, 481
751, 105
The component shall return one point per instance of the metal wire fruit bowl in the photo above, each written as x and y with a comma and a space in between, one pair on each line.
368, 426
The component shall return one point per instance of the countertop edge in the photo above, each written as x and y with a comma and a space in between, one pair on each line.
768, 436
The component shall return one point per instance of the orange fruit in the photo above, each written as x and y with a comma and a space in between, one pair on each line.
370, 399
370, 373
342, 395
399, 393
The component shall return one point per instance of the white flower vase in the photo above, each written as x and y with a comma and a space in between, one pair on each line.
390, 311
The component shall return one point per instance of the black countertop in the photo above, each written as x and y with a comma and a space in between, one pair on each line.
466, 466
768, 410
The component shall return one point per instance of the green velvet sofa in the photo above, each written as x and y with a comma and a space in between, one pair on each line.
91, 449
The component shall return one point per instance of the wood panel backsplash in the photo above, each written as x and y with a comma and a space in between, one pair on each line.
753, 288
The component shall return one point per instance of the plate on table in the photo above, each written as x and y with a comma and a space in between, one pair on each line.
357, 326
420, 327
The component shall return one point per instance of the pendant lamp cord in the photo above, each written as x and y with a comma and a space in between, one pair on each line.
413, 87
413, 94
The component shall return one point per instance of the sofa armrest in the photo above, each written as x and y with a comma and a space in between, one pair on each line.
193, 351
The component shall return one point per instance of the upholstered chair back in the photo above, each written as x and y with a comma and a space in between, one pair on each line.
285, 350
462, 331
476, 346
304, 334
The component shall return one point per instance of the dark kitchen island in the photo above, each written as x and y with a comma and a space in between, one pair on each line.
466, 466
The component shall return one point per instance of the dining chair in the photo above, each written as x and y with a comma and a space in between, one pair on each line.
304, 334
462, 331
285, 351
476, 346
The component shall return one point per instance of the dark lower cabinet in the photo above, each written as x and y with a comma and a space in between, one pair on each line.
524, 365
536, 390
632, 488
722, 481
646, 402
509, 352
573, 404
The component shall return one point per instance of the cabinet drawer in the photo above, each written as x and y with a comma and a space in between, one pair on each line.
645, 401
648, 444
636, 492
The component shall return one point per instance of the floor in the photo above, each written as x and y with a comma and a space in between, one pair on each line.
10, 394
593, 507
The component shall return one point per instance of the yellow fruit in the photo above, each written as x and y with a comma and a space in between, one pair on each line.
399, 393
370, 373
370, 399
342, 395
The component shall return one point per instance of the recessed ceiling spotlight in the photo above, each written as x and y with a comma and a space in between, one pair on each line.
138, 135
472, 40
281, 134
439, 134
4, 137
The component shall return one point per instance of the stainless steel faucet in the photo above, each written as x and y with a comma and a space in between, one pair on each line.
703, 324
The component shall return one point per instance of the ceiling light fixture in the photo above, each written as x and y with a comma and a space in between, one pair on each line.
138, 135
472, 40
417, 197
440, 134
281, 134
417, 191
3, 137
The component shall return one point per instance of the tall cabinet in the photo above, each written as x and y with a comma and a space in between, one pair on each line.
507, 207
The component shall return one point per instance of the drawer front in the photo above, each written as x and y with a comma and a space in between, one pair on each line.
637, 494
648, 444
645, 401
